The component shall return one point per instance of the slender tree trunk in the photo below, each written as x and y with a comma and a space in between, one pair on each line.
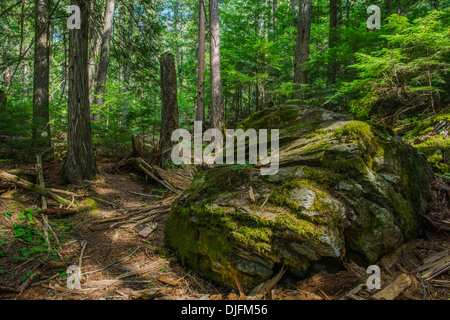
294, 7
200, 113
179, 48
257, 96
217, 106
104, 55
7, 78
2, 101
126, 69
79, 163
96, 41
332, 41
169, 107
302, 44
41, 118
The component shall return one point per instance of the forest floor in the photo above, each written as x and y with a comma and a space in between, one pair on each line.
119, 264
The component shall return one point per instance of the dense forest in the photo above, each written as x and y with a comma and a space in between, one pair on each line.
91, 92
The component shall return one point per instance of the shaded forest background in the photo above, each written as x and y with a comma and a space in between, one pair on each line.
397, 73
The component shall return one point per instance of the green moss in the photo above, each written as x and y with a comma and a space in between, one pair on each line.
406, 216
254, 236
355, 130
322, 177
87, 205
431, 143
280, 117
304, 229
364, 171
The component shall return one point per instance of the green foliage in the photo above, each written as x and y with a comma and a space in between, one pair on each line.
412, 71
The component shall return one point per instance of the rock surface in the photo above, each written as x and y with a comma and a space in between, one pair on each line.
345, 189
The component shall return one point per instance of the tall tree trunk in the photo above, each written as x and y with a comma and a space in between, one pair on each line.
79, 163
104, 55
302, 44
41, 118
179, 51
294, 7
200, 113
217, 107
332, 41
95, 42
169, 106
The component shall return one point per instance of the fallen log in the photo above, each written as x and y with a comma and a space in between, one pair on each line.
394, 288
5, 176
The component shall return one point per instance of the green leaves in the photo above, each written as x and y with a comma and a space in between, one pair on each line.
411, 71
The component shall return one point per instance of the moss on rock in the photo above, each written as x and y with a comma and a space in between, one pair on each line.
361, 197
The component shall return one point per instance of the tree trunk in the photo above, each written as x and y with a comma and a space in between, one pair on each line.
2, 101
217, 108
274, 18
41, 118
302, 44
7, 78
79, 163
200, 114
104, 55
169, 106
332, 42
294, 6
96, 41
126, 71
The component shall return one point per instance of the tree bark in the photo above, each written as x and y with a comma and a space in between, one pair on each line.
126, 68
274, 18
302, 44
41, 118
217, 107
3, 101
169, 107
294, 7
200, 113
95, 42
79, 163
104, 55
332, 41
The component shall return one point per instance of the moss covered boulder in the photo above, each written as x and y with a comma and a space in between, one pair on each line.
345, 189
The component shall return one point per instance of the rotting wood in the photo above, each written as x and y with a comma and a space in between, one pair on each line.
394, 288
435, 265
265, 287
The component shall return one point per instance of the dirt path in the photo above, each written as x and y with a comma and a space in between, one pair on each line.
118, 264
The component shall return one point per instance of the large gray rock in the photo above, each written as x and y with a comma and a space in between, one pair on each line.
344, 189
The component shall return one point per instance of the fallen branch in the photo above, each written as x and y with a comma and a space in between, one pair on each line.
41, 269
32, 187
145, 195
